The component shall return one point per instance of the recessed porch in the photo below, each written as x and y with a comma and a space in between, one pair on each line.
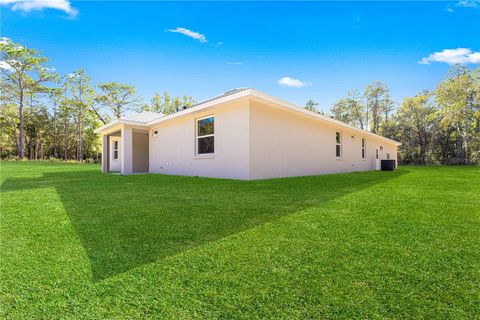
125, 149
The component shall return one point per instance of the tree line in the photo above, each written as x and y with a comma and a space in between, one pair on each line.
441, 126
44, 115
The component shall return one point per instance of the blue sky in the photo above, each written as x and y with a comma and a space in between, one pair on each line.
320, 49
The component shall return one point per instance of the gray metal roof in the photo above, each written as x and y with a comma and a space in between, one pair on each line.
144, 117
227, 93
147, 116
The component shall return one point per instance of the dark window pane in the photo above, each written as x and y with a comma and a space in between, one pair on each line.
205, 126
115, 144
115, 155
338, 137
206, 145
338, 151
363, 142
363, 153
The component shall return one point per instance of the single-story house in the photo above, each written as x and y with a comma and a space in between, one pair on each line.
242, 134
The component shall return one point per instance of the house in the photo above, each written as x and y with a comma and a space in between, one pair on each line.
242, 134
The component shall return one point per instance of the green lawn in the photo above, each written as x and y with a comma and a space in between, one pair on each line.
79, 244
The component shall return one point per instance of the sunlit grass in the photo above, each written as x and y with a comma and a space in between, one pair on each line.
79, 244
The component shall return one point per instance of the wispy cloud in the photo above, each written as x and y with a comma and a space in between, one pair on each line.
475, 4
236, 63
453, 56
292, 82
217, 44
357, 20
472, 4
189, 33
29, 5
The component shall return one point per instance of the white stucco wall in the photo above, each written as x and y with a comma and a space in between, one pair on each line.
255, 141
172, 151
286, 144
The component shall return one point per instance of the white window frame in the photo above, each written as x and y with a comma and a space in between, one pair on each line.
117, 149
197, 137
338, 144
364, 148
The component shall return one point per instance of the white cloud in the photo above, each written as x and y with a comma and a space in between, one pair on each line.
189, 33
29, 5
475, 57
469, 4
292, 82
453, 56
5, 66
235, 63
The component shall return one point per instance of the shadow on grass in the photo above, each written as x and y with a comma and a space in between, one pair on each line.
126, 221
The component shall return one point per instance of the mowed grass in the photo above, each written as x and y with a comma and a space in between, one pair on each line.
78, 244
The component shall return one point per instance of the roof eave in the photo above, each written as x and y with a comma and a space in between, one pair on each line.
105, 128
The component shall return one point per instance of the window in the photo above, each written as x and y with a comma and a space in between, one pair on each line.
388, 156
205, 136
376, 153
115, 150
338, 144
364, 149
